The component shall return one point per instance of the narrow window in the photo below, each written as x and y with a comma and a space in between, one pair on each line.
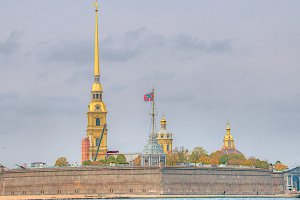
168, 147
97, 141
97, 122
97, 96
93, 96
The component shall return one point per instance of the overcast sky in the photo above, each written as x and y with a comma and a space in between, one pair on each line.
210, 61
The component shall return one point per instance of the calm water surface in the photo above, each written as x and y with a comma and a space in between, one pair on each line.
224, 198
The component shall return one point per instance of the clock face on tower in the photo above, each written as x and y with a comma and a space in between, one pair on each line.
97, 107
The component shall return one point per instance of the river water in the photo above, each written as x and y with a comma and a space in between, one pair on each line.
212, 198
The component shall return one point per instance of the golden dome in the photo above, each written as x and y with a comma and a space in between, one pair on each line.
97, 87
163, 120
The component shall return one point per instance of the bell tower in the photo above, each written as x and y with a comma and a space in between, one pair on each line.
96, 141
228, 139
164, 138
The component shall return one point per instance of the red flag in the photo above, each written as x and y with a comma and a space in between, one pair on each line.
149, 97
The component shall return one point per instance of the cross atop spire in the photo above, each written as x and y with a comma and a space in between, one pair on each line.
228, 125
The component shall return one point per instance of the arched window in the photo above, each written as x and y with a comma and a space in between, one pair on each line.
97, 96
93, 96
97, 122
168, 147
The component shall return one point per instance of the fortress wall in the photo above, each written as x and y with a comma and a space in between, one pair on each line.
217, 180
1, 182
278, 183
143, 181
82, 181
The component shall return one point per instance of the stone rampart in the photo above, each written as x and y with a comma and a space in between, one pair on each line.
139, 181
216, 181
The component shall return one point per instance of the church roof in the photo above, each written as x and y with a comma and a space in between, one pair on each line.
226, 151
153, 147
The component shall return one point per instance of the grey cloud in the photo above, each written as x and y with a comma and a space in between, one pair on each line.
68, 51
11, 44
184, 43
158, 75
12, 103
7, 97
131, 44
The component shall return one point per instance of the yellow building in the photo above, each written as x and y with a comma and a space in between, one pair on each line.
164, 138
96, 128
229, 146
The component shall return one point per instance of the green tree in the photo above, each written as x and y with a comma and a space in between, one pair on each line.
224, 159
182, 154
86, 162
196, 154
111, 159
121, 159
61, 162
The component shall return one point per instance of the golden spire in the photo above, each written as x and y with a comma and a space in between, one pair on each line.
96, 56
96, 85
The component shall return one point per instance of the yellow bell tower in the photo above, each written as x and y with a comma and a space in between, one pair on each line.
96, 128
228, 139
164, 138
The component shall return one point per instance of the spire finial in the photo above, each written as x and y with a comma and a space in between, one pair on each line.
96, 50
96, 5
228, 125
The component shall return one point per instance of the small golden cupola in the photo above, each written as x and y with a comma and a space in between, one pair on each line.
228, 139
164, 138
229, 146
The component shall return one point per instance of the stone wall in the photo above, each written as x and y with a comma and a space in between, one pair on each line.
82, 181
219, 180
143, 181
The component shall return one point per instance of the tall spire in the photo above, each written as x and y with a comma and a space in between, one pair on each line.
96, 50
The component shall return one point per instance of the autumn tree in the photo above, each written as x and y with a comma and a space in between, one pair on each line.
137, 161
279, 166
61, 162
196, 154
214, 158
172, 159
236, 159
204, 159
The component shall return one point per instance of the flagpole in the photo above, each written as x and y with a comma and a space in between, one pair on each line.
153, 114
